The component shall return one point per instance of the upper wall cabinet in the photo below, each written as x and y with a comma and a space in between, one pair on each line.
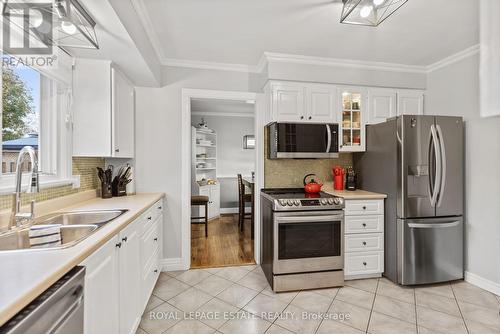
302, 102
352, 113
103, 111
387, 103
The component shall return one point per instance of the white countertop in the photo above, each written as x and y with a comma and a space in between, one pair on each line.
356, 194
25, 274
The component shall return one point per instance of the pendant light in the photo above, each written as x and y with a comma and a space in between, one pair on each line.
368, 12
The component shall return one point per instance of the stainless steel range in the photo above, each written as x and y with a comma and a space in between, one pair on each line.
302, 239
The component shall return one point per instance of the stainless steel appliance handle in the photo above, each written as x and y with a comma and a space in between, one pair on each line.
435, 225
308, 219
443, 164
69, 311
329, 138
434, 190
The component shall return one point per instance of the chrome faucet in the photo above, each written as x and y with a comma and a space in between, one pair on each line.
17, 218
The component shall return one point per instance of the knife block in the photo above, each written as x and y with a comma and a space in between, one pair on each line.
118, 190
106, 190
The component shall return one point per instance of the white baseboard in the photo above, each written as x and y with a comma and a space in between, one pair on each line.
483, 283
228, 210
171, 264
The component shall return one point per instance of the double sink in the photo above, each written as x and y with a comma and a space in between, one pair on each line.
74, 226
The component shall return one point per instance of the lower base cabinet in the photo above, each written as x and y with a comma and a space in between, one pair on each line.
121, 275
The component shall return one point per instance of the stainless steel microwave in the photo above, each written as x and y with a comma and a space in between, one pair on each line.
302, 140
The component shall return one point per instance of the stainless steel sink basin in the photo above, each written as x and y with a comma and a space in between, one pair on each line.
100, 217
74, 225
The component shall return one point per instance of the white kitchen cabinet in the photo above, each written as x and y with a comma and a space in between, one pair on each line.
288, 102
120, 276
213, 193
321, 103
101, 311
364, 238
410, 102
129, 274
382, 104
103, 110
352, 111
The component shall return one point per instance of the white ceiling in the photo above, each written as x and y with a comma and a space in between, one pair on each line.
222, 107
239, 31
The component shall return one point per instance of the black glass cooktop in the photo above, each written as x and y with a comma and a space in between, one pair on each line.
293, 193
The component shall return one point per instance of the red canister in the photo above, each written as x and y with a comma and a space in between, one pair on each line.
338, 178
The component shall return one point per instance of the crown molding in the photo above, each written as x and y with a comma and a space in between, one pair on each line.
142, 13
470, 51
208, 65
359, 64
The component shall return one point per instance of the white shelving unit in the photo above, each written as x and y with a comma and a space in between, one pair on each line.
204, 166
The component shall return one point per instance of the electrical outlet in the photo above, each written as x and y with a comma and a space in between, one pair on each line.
76, 181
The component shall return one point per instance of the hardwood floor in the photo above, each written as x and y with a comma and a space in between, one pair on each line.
225, 245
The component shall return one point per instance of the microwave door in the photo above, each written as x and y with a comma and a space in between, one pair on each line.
305, 140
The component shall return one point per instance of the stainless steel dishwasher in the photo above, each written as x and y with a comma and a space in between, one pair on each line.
58, 310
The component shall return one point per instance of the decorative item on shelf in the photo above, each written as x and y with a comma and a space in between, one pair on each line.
202, 125
211, 182
355, 106
338, 178
249, 142
351, 179
311, 186
368, 12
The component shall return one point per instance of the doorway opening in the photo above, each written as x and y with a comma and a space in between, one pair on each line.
222, 182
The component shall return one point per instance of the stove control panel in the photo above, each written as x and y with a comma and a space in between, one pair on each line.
336, 202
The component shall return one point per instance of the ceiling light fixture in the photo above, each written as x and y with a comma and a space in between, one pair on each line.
368, 12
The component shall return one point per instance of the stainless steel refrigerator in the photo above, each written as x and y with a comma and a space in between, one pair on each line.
418, 161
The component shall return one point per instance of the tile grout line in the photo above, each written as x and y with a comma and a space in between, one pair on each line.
371, 309
416, 315
459, 309
327, 310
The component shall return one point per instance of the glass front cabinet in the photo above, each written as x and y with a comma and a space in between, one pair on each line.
352, 120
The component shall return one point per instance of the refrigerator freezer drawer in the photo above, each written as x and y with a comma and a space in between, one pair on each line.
430, 250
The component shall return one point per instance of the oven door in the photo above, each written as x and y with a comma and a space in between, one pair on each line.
308, 242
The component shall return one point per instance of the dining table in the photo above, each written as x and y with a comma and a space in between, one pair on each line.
249, 182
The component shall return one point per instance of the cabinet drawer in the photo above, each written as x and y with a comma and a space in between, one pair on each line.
150, 242
149, 276
362, 263
364, 224
364, 207
364, 242
152, 214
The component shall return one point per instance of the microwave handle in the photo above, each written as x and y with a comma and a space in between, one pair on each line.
329, 138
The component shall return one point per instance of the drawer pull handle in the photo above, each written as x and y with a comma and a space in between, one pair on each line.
159, 208
364, 224
364, 263
364, 243
118, 245
156, 271
124, 239
155, 239
149, 218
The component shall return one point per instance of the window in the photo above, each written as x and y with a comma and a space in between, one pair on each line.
35, 111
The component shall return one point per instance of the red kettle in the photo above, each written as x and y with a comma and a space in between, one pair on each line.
311, 186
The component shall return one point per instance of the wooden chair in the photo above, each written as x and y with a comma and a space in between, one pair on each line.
242, 199
200, 201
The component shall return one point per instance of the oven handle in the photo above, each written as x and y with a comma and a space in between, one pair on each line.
305, 219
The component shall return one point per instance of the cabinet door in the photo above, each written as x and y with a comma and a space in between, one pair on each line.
130, 277
410, 102
382, 104
288, 102
123, 115
352, 119
101, 290
321, 103
214, 206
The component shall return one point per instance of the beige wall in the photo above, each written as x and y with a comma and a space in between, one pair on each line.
85, 167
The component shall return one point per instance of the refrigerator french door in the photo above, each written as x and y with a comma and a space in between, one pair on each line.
430, 224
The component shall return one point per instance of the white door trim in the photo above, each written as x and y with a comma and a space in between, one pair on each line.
187, 95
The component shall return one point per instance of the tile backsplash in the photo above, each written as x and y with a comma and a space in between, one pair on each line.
290, 172
85, 167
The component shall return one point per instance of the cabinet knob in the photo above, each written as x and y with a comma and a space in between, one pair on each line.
119, 245
364, 243
159, 208
364, 224
155, 271
310, 117
117, 150
301, 117
364, 207
124, 239
155, 239
149, 218
364, 263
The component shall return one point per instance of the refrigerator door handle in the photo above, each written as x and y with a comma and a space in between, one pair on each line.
435, 225
329, 138
443, 164
433, 188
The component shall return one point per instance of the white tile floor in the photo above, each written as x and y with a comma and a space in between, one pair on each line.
239, 300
